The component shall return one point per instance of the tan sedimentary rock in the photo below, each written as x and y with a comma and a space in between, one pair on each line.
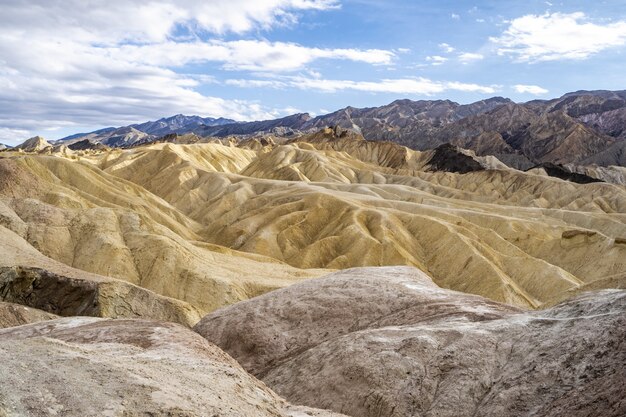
212, 225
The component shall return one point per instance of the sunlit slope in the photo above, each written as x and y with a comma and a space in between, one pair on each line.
511, 236
75, 213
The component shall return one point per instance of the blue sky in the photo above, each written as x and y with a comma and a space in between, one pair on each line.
67, 67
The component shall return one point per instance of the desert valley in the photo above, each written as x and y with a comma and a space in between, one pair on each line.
344, 274
312, 208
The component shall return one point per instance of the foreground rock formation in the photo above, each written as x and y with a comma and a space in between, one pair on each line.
94, 367
16, 314
31, 279
388, 342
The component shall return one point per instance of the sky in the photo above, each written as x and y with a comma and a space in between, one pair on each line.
69, 66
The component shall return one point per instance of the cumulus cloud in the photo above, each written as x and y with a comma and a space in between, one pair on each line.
530, 89
555, 36
418, 85
446, 48
436, 59
466, 57
109, 21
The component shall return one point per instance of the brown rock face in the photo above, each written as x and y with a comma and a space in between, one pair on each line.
67, 296
95, 367
388, 342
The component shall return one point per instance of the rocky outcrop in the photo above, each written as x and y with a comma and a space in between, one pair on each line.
80, 367
449, 158
15, 315
34, 144
87, 144
388, 342
562, 172
67, 296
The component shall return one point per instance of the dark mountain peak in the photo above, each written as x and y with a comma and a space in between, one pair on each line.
559, 171
86, 144
606, 94
401, 102
298, 116
422, 103
450, 158
498, 99
580, 105
284, 126
510, 109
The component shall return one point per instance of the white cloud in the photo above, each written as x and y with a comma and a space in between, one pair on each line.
436, 59
256, 83
252, 55
530, 89
8, 136
50, 85
555, 36
109, 21
419, 85
467, 57
446, 48
455, 16
67, 63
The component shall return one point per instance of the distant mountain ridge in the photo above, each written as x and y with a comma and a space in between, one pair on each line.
145, 132
571, 129
178, 124
579, 127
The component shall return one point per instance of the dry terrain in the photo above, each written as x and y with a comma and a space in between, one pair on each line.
364, 278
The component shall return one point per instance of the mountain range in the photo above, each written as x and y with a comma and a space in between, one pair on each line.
583, 127
148, 131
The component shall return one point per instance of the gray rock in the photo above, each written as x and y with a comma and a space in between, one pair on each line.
94, 367
15, 315
388, 342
